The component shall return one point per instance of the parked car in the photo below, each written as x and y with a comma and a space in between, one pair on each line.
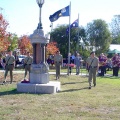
21, 59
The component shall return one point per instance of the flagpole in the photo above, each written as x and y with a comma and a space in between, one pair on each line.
78, 42
69, 38
51, 25
78, 35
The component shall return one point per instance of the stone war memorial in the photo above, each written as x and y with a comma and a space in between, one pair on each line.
39, 75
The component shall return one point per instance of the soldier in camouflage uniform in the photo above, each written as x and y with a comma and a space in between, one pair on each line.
27, 64
9, 65
77, 62
93, 64
58, 59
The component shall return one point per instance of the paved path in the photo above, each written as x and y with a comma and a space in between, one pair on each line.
65, 73
53, 73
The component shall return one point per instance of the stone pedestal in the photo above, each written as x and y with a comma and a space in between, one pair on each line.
49, 88
39, 76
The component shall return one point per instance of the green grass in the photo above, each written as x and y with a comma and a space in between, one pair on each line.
74, 102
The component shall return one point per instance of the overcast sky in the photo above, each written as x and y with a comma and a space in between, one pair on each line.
23, 15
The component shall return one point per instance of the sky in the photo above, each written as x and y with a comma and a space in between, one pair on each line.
23, 15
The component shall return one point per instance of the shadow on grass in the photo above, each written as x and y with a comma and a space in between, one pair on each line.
74, 82
10, 92
72, 90
15, 92
81, 76
110, 77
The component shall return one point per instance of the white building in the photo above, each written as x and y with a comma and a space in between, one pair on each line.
114, 46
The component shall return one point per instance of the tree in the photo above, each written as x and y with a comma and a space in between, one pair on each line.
60, 36
13, 42
98, 35
115, 29
24, 44
4, 43
51, 48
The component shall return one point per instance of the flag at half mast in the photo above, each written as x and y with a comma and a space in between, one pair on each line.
73, 25
60, 13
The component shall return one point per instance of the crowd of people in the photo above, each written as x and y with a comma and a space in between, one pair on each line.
95, 65
105, 63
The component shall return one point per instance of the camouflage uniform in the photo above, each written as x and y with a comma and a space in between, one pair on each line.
92, 70
77, 62
58, 61
9, 65
27, 64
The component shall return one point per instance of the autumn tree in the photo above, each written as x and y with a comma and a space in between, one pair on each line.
24, 44
4, 43
51, 48
13, 42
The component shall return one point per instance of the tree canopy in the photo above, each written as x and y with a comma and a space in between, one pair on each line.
51, 48
115, 29
61, 37
4, 43
13, 42
24, 44
98, 35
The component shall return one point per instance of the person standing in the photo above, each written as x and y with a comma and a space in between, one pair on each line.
69, 62
3, 60
49, 61
16, 59
102, 63
93, 64
9, 66
58, 60
27, 64
109, 65
115, 62
77, 62
73, 58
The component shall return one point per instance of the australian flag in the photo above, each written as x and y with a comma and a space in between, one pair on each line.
60, 13
73, 25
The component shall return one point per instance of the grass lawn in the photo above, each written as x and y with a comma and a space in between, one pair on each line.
74, 102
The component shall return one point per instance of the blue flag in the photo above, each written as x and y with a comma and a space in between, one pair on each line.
73, 25
60, 13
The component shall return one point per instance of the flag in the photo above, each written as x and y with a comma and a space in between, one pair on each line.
60, 13
73, 25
